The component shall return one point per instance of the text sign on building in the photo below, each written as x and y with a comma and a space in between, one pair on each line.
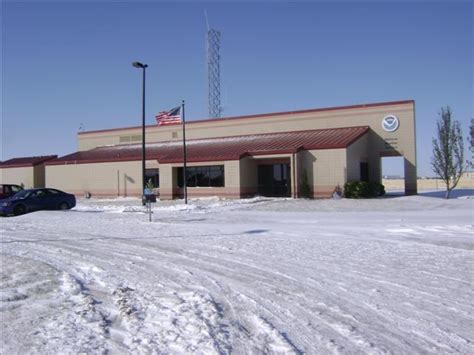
390, 123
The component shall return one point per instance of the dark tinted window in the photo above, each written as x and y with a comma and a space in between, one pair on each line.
202, 176
216, 176
39, 193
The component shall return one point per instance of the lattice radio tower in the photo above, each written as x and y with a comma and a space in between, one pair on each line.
213, 71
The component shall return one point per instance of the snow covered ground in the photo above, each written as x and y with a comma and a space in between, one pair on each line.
257, 276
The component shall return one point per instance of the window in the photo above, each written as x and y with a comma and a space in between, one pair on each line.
152, 177
202, 176
38, 193
216, 176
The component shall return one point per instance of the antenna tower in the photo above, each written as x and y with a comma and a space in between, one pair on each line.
213, 72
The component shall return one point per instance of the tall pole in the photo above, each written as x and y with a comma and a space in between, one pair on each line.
142, 66
184, 155
143, 133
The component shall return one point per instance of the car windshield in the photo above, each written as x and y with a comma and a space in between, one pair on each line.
22, 194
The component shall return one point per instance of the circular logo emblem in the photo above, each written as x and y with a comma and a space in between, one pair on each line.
390, 123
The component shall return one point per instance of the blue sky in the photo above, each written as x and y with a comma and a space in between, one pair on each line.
64, 64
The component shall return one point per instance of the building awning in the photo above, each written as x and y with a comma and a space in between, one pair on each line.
221, 149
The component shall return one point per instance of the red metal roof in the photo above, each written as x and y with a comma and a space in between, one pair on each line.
26, 161
219, 149
272, 114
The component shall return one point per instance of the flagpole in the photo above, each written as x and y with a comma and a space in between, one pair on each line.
184, 155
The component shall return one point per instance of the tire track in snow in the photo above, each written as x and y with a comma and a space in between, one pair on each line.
257, 280
127, 311
256, 271
77, 251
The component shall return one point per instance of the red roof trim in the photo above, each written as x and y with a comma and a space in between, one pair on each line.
93, 161
114, 160
222, 149
25, 162
335, 108
11, 166
262, 134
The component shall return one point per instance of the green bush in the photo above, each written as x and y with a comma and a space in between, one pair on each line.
376, 189
362, 189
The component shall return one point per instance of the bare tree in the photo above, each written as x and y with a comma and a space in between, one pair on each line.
448, 151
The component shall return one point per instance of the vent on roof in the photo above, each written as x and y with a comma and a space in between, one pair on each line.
134, 138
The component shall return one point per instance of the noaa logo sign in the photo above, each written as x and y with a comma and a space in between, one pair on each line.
390, 123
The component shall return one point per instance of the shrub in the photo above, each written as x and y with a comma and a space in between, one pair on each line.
362, 189
376, 189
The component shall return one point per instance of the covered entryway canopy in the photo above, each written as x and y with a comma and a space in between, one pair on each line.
221, 149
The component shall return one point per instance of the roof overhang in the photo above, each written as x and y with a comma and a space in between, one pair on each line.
221, 149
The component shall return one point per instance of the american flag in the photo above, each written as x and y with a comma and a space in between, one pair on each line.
172, 116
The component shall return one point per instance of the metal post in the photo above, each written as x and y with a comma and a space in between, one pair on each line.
142, 66
143, 133
184, 155
149, 211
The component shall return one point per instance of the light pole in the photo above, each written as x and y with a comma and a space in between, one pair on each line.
142, 66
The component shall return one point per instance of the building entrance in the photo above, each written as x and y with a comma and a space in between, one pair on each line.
274, 180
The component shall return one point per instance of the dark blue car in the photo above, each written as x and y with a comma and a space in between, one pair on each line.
37, 199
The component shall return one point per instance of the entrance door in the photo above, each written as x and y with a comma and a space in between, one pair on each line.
274, 180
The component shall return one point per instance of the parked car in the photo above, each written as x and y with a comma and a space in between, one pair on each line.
8, 190
37, 199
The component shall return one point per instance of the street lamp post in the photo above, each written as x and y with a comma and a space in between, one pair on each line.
142, 66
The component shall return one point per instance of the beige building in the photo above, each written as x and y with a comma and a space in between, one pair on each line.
234, 157
26, 171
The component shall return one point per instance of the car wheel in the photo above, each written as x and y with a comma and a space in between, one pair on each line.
63, 206
18, 210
